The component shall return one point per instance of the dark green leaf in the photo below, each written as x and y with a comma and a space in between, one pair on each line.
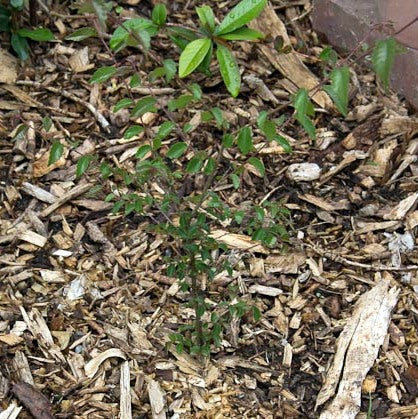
194, 165
328, 56
159, 14
245, 140
176, 150
4, 19
229, 69
20, 46
266, 126
56, 152
210, 166
304, 107
338, 89
206, 17
243, 34
258, 164
81, 34
180, 103
228, 140
165, 129
193, 55
135, 81
103, 74
184, 33
40, 34
132, 131
156, 73
256, 313
83, 164
240, 15
146, 104
123, 103
283, 142
46, 123
142, 151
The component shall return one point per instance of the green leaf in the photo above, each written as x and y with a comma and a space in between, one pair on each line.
142, 151
135, 81
206, 17
170, 69
229, 70
196, 91
176, 150
146, 104
81, 34
159, 14
283, 142
156, 73
210, 166
217, 113
240, 15
258, 164
132, 131
83, 164
123, 103
180, 103
235, 181
193, 55
328, 56
4, 19
266, 126
46, 123
383, 57
40, 34
194, 165
338, 89
228, 140
304, 107
256, 313
17, 4
103, 74
243, 34
245, 140
20, 46
56, 152
165, 129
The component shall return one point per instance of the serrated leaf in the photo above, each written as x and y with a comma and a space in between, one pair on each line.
242, 34
176, 150
123, 103
56, 152
103, 74
193, 55
229, 70
194, 165
240, 15
383, 57
258, 164
20, 46
81, 34
159, 14
146, 104
135, 81
180, 103
142, 151
283, 142
165, 129
82, 165
132, 131
39, 34
245, 140
338, 89
206, 17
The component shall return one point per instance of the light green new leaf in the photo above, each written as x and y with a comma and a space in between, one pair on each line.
383, 57
245, 140
206, 17
103, 74
229, 70
283, 142
193, 55
81, 34
338, 89
240, 15
176, 150
159, 14
56, 152
242, 34
83, 164
40, 34
258, 164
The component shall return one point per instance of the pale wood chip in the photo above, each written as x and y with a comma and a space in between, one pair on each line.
157, 400
125, 392
93, 365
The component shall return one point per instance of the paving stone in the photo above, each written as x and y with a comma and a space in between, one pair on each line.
346, 23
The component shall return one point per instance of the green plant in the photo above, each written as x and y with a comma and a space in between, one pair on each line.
169, 159
10, 18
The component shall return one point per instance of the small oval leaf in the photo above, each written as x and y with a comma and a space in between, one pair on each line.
176, 150
103, 74
56, 152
